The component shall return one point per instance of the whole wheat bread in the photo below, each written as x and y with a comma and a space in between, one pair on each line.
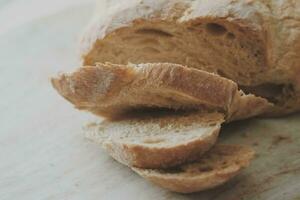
214, 168
254, 43
158, 140
111, 90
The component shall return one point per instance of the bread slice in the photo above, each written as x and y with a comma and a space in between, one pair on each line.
111, 90
254, 43
216, 167
162, 140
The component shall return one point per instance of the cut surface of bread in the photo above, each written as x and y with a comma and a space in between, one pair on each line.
253, 43
111, 90
163, 140
217, 166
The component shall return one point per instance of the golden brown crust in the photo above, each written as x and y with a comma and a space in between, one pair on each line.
91, 84
108, 85
111, 90
216, 167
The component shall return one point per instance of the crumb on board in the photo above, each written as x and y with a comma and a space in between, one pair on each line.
255, 143
245, 134
277, 139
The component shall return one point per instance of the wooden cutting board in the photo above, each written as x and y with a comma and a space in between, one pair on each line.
43, 153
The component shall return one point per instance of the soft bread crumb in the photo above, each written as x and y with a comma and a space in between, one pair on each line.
160, 141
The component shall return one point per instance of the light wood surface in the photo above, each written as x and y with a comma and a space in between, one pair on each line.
43, 153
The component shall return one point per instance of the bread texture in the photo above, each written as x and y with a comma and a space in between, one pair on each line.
255, 43
160, 140
111, 90
216, 167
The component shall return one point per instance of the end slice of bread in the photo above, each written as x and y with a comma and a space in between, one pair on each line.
214, 168
111, 90
160, 141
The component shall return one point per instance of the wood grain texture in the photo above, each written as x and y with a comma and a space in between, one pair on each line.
44, 155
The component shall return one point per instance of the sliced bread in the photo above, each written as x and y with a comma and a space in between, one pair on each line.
160, 141
214, 168
111, 90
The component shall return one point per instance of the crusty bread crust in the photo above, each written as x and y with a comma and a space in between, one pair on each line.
205, 173
149, 156
111, 90
250, 42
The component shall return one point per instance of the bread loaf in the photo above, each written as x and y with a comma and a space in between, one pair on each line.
181, 68
255, 43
